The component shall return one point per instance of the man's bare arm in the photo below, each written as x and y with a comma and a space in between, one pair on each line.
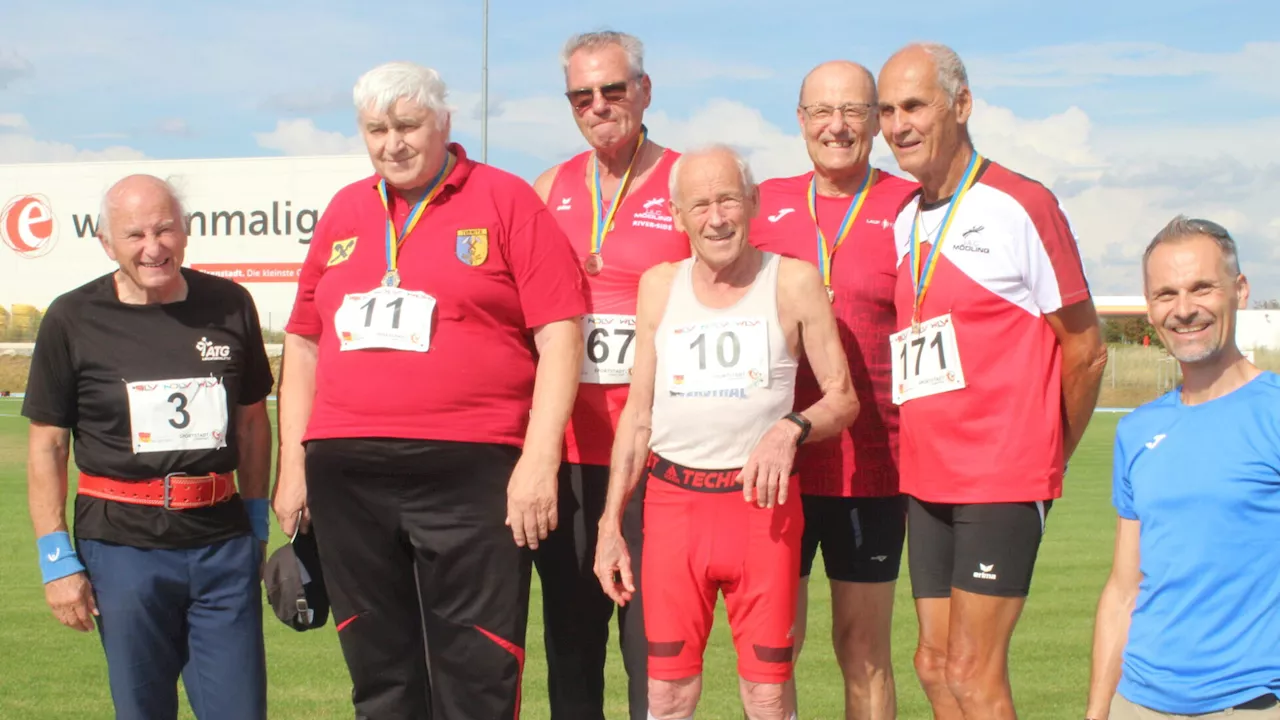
1111, 624
820, 339
1084, 358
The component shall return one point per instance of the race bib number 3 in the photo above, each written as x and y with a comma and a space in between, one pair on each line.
387, 318
168, 415
926, 362
729, 354
607, 340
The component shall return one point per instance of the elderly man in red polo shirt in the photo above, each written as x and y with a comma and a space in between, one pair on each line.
431, 363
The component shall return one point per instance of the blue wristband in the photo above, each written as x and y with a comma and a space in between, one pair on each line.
58, 558
257, 509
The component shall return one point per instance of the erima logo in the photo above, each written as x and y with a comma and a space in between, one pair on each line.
1156, 441
565, 204
209, 351
879, 558
781, 214
984, 572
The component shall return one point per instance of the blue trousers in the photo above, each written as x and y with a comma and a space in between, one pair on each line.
194, 612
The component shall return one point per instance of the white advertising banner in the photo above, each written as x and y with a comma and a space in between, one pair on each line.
249, 220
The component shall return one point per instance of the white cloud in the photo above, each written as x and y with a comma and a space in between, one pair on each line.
174, 126
1089, 63
302, 137
21, 147
12, 121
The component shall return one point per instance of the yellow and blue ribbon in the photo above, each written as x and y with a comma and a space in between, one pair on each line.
602, 222
825, 252
415, 214
921, 282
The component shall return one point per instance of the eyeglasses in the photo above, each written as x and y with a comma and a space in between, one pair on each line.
852, 112
581, 98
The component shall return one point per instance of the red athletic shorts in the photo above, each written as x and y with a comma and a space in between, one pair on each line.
700, 537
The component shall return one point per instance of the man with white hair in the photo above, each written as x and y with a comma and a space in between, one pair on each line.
610, 201
1189, 621
430, 366
158, 375
839, 216
997, 362
709, 424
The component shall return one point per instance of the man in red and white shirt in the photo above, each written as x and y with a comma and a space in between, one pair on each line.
997, 361
849, 483
430, 367
611, 201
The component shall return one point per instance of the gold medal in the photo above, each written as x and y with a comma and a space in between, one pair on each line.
391, 279
593, 264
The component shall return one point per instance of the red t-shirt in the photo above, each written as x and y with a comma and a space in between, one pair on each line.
862, 461
643, 236
1009, 259
475, 384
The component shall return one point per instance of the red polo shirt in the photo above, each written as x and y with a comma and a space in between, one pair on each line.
475, 384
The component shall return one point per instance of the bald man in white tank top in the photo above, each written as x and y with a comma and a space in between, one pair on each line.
709, 418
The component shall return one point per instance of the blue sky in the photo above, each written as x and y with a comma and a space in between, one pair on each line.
1130, 111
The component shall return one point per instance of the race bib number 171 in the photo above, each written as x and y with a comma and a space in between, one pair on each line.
926, 362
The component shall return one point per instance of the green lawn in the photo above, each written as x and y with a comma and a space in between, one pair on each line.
48, 671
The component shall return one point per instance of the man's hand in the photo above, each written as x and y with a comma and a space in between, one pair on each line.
767, 474
531, 501
290, 503
613, 566
71, 599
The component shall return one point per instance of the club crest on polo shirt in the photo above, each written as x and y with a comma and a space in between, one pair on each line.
341, 251
473, 246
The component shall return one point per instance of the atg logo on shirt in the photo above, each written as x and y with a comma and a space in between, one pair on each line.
210, 352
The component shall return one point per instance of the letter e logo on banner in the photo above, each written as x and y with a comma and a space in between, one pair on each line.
27, 226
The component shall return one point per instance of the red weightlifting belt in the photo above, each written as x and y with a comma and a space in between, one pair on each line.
175, 491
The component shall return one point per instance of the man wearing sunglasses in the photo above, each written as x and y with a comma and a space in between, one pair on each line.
839, 216
612, 203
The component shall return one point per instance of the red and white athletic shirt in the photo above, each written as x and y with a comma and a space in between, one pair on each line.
643, 235
1009, 258
862, 461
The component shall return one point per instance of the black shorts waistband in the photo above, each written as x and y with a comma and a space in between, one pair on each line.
707, 481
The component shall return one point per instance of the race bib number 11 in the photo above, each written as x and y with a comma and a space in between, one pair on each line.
168, 415
607, 341
386, 318
926, 362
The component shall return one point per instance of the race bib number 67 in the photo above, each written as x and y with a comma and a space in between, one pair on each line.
607, 341
168, 415
926, 362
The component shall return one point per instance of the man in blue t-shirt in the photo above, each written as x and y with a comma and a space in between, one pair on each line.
1189, 621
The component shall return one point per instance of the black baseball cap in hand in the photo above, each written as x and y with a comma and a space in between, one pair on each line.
295, 583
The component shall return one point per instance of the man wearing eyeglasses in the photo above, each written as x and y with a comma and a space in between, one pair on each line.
612, 203
839, 216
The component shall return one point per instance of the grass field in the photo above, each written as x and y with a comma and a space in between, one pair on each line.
50, 672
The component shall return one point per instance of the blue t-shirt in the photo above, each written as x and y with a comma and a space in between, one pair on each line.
1204, 482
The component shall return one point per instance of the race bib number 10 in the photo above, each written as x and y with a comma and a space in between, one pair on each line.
386, 318
168, 415
926, 362
607, 341
729, 354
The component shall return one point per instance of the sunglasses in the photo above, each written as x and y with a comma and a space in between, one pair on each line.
581, 98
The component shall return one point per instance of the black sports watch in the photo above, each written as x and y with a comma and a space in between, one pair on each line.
803, 422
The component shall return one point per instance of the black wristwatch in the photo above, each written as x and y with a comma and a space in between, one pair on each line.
803, 422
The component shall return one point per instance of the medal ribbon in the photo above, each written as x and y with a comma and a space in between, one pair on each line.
920, 281
600, 224
846, 225
415, 213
